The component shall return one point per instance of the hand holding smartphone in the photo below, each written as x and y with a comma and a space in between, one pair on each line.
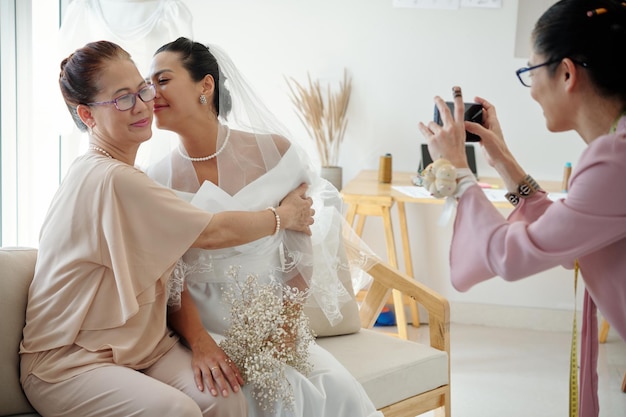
473, 113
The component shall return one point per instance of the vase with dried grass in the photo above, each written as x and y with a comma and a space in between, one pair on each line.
323, 114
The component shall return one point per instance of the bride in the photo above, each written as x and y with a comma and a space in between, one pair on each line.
232, 155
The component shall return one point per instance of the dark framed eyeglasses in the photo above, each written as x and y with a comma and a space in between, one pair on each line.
525, 77
127, 101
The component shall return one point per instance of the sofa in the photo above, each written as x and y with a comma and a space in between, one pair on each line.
403, 378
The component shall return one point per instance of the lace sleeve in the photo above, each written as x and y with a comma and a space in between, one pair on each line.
176, 284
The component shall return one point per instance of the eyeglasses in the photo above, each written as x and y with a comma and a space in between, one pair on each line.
525, 77
127, 101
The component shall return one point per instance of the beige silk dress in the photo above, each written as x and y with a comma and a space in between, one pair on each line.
99, 295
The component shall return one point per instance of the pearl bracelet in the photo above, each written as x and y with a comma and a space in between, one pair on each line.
277, 217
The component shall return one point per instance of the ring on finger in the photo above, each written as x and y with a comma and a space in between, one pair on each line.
214, 367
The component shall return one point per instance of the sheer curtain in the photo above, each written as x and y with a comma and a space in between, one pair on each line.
17, 160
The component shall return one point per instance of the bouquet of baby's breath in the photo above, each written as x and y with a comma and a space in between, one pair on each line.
268, 332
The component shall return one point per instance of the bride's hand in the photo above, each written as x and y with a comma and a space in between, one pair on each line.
212, 368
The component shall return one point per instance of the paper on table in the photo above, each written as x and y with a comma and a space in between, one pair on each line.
413, 191
495, 195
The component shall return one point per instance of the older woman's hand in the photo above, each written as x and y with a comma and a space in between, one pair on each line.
448, 141
296, 212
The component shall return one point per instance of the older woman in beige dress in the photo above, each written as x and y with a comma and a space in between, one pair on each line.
96, 340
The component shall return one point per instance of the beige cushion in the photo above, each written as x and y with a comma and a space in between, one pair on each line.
390, 369
351, 321
17, 266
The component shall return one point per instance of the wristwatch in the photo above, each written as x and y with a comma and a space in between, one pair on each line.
525, 189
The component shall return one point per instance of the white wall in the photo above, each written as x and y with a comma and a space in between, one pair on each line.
400, 59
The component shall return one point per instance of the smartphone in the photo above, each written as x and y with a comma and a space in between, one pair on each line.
473, 113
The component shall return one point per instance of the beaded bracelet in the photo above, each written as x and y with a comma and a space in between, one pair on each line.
277, 217
527, 187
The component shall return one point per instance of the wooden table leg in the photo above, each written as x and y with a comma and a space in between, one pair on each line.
351, 214
408, 262
360, 224
391, 243
398, 301
359, 212
604, 331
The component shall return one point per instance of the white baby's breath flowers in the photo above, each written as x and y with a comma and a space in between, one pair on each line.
269, 331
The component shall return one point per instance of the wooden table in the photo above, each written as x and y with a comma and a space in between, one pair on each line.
365, 196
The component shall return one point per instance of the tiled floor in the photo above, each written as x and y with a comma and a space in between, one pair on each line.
498, 372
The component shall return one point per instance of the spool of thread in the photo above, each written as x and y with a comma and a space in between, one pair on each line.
567, 171
384, 169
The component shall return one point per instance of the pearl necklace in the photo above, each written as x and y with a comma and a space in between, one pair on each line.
206, 158
96, 148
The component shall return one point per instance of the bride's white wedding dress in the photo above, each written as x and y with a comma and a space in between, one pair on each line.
329, 389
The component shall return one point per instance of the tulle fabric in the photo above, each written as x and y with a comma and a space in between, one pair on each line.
315, 261
258, 166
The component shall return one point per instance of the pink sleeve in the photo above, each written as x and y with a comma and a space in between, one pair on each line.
541, 234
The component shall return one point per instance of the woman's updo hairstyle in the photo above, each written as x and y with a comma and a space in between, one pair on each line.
81, 71
589, 31
199, 61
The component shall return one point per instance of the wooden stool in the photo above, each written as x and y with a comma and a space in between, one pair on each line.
604, 333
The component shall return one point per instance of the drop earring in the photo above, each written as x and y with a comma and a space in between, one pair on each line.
203, 99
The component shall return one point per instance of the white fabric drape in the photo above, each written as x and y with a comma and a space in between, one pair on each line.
139, 26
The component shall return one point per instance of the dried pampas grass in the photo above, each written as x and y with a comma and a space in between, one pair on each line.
323, 115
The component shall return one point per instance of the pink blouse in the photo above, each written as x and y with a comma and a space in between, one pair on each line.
589, 225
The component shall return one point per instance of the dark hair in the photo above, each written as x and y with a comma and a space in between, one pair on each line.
199, 61
589, 31
80, 73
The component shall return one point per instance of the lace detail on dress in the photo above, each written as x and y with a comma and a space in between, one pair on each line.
289, 260
180, 274
328, 287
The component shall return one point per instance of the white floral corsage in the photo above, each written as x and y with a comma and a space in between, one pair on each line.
443, 180
439, 178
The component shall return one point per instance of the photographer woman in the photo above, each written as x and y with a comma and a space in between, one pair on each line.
576, 74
